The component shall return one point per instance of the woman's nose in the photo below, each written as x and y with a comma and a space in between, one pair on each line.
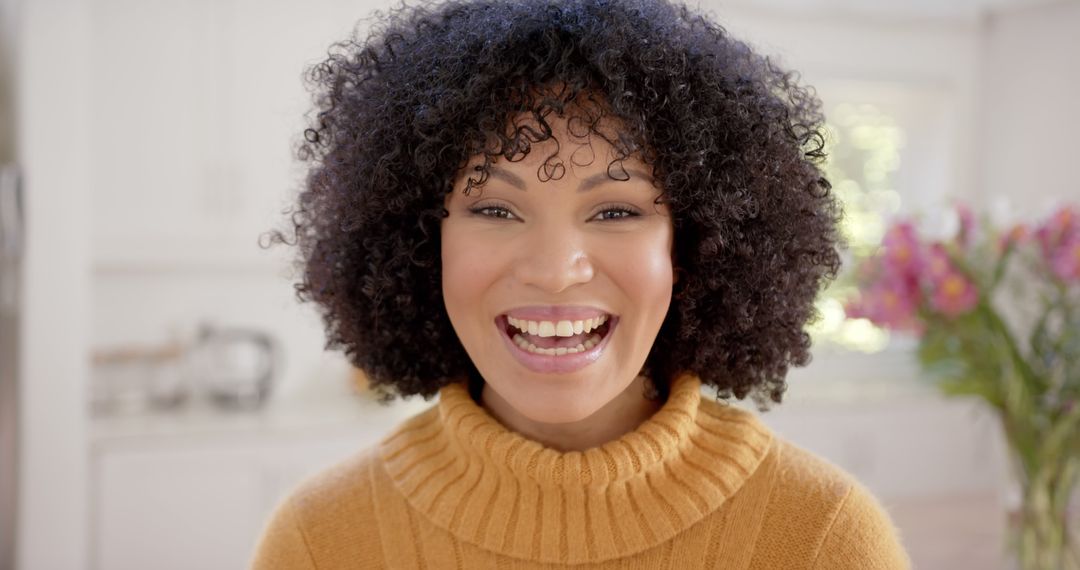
553, 259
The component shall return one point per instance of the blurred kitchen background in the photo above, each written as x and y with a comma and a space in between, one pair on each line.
161, 389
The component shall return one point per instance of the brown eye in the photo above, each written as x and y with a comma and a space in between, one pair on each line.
492, 211
619, 211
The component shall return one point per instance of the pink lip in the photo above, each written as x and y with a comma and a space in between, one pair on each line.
551, 364
556, 312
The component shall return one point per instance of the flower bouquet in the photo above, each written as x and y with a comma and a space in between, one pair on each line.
997, 315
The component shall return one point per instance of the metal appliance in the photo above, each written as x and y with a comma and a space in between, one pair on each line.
11, 254
11, 248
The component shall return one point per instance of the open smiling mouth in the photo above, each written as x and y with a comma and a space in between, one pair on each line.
578, 343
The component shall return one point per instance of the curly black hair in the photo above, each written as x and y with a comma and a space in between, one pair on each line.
735, 143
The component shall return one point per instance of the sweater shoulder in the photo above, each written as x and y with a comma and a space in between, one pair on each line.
824, 513
861, 535
345, 489
331, 514
326, 492
821, 482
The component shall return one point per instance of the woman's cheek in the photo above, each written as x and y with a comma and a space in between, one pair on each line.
455, 272
643, 263
468, 270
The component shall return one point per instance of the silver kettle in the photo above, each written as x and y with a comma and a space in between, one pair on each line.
234, 366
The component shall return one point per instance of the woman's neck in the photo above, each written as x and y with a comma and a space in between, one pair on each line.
621, 415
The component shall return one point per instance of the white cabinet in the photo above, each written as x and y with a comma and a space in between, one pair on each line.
192, 494
196, 108
164, 508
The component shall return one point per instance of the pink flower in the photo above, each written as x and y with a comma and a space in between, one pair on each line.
1062, 225
901, 255
967, 225
855, 309
1066, 260
954, 294
935, 263
887, 303
890, 295
1017, 234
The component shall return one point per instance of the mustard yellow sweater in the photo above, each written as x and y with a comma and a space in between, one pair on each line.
700, 484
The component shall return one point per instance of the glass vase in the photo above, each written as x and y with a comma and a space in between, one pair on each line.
1042, 519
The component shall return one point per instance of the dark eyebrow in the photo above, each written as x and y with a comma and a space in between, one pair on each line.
586, 185
507, 176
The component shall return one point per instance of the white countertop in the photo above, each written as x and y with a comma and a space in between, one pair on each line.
280, 415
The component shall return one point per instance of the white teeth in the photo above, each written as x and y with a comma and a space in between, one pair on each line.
557, 328
594, 323
581, 347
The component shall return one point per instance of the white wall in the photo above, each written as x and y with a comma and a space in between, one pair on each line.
1030, 120
52, 77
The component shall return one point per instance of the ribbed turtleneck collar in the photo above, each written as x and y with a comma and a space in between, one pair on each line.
492, 487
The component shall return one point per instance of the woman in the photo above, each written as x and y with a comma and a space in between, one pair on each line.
565, 217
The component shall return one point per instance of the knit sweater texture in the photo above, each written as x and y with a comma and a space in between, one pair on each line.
700, 484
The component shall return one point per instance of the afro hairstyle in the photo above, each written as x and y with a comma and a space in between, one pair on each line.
734, 141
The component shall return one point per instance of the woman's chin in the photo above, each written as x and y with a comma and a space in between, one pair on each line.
549, 402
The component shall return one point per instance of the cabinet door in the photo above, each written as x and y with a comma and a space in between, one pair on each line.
175, 508
199, 503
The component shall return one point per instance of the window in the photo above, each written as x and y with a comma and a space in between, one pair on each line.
892, 151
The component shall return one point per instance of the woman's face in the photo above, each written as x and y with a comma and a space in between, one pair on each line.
558, 253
